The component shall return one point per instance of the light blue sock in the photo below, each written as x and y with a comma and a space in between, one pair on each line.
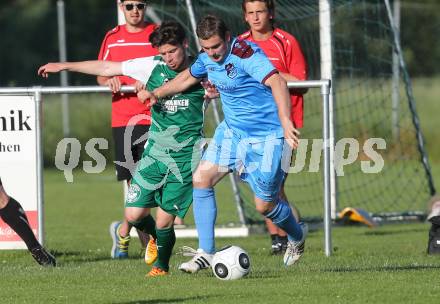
282, 216
205, 214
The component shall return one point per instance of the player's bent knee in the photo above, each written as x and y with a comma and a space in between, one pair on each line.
201, 184
164, 223
164, 219
134, 214
264, 207
207, 175
201, 181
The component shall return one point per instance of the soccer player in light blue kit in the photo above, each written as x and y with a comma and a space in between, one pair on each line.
250, 140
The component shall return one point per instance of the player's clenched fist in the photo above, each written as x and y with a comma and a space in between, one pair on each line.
145, 95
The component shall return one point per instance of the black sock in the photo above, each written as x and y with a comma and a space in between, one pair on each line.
274, 238
13, 215
146, 224
283, 240
166, 238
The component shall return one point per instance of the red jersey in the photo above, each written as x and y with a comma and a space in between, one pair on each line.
284, 52
121, 45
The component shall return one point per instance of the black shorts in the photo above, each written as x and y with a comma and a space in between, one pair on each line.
136, 150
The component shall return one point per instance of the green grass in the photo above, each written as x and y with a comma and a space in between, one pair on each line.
107, 194
383, 265
89, 116
426, 92
387, 264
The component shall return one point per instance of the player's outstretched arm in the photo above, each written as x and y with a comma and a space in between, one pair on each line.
182, 82
281, 95
92, 67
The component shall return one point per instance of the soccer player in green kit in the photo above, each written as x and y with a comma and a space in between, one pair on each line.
164, 174
163, 177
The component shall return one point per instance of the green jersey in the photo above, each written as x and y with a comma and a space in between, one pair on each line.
177, 121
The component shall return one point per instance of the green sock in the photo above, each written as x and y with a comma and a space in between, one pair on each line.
166, 238
147, 225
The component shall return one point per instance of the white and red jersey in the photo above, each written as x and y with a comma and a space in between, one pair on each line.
120, 45
284, 52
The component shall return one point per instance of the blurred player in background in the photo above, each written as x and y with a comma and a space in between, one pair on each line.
286, 55
125, 42
256, 106
12, 213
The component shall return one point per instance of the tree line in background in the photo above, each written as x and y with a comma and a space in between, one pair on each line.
29, 36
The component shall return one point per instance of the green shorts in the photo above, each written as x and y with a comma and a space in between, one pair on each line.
168, 186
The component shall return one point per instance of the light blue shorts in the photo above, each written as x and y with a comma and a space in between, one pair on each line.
257, 161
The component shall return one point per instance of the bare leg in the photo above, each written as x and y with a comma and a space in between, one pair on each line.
178, 221
126, 228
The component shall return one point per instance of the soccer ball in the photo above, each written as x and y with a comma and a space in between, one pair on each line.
231, 263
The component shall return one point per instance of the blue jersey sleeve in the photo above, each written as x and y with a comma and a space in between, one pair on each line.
254, 61
198, 69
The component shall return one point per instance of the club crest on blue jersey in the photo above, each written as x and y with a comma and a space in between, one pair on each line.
231, 70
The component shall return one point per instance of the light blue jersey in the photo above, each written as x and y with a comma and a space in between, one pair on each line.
247, 103
249, 140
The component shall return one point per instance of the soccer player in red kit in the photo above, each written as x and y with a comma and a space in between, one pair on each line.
285, 53
125, 42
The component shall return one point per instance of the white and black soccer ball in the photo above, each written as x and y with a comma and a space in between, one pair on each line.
231, 263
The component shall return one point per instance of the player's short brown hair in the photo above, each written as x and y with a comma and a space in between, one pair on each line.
270, 4
210, 26
169, 32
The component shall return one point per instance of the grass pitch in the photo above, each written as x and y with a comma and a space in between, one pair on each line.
387, 264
